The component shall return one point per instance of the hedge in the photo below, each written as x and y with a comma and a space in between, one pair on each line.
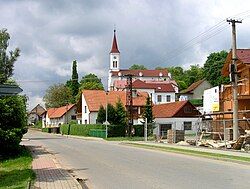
79, 129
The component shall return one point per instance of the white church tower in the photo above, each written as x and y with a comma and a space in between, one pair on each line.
114, 55
114, 60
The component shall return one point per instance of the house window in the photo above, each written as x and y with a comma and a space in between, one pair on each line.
159, 98
85, 109
168, 98
85, 121
73, 117
187, 125
115, 64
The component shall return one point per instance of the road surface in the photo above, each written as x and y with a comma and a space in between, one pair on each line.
108, 165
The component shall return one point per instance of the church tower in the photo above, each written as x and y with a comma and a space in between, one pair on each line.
114, 55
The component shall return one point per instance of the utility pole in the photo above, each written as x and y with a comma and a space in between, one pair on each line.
234, 80
129, 103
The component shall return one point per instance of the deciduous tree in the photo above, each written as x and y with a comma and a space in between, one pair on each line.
137, 67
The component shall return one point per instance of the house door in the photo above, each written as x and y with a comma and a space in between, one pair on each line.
164, 129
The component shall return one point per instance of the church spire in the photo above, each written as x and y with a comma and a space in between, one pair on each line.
114, 48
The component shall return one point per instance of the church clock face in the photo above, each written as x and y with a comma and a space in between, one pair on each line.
114, 57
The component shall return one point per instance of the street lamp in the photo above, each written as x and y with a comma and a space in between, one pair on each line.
106, 115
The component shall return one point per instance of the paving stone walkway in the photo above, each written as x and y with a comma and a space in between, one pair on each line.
49, 173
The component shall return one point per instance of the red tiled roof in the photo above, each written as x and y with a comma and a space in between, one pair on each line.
159, 87
96, 98
192, 87
59, 112
114, 48
243, 56
142, 73
168, 109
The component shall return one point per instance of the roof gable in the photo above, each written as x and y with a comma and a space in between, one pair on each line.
59, 112
96, 98
193, 86
39, 110
175, 109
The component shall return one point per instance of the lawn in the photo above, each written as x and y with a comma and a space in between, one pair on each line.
128, 138
16, 172
194, 153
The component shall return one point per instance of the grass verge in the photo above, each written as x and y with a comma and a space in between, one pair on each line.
16, 172
217, 156
128, 138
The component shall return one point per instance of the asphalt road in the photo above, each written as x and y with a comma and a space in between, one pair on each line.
107, 165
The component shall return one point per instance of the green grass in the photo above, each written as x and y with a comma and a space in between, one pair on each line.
16, 172
128, 138
193, 152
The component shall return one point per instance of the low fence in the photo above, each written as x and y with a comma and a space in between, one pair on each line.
97, 133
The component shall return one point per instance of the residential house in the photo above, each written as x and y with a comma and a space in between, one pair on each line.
181, 115
196, 90
36, 114
92, 100
58, 116
159, 92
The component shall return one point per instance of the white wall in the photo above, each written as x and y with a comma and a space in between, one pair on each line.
85, 116
177, 123
163, 97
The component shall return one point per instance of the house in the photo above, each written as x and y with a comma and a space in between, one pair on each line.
91, 100
58, 116
196, 90
181, 115
243, 70
117, 77
36, 114
159, 92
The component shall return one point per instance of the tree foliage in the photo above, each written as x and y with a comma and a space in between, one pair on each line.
116, 115
13, 120
73, 83
101, 116
120, 118
57, 95
91, 82
6, 61
148, 113
137, 67
213, 66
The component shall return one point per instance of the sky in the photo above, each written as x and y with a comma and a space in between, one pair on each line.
51, 34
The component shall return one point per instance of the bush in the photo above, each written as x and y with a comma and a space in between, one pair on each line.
13, 120
116, 130
38, 124
46, 130
139, 130
79, 129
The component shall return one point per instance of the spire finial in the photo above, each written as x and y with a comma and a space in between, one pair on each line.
114, 28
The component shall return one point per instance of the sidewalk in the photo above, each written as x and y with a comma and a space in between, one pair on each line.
201, 149
49, 173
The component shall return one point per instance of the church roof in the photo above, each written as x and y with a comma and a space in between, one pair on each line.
114, 48
141, 73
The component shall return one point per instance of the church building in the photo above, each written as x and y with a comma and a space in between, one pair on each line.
157, 83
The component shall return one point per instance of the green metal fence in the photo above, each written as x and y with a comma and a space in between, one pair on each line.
97, 133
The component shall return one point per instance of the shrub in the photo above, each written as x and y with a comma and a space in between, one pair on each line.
116, 130
79, 129
139, 130
13, 120
38, 124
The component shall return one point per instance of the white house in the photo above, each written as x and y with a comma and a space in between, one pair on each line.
159, 92
92, 100
58, 116
180, 115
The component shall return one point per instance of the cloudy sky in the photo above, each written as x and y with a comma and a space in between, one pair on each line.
51, 34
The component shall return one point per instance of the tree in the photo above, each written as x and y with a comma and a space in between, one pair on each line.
13, 120
213, 66
73, 83
195, 73
6, 61
57, 95
148, 113
137, 67
101, 116
111, 114
91, 82
120, 118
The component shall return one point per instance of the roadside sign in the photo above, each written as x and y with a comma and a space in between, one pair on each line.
6, 90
